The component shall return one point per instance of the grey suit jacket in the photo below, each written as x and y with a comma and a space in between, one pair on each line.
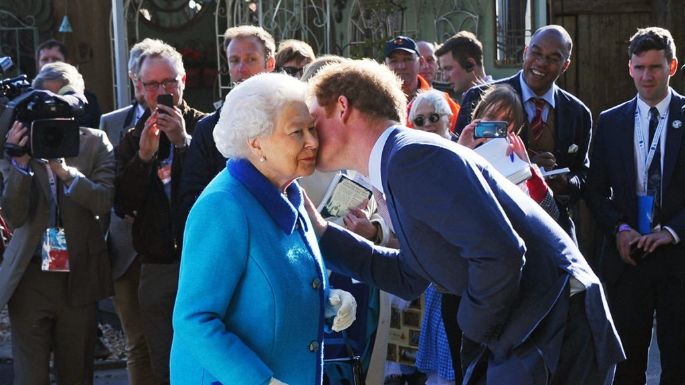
121, 252
25, 201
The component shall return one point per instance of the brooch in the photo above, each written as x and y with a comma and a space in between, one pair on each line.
676, 124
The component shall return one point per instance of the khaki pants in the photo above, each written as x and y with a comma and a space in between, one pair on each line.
42, 321
128, 308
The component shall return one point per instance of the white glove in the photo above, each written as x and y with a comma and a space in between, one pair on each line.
343, 306
276, 382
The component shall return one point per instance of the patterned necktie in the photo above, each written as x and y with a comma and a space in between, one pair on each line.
654, 175
537, 125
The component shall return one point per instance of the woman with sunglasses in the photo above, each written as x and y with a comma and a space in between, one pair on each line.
430, 112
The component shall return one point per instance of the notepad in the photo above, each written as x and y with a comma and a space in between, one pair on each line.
512, 167
343, 194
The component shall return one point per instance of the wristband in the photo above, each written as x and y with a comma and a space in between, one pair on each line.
623, 227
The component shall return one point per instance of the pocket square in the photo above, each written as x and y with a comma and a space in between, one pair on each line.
572, 149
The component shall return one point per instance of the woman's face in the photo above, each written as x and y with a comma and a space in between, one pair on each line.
423, 113
290, 151
500, 112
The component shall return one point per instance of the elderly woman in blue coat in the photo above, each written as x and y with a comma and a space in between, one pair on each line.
253, 298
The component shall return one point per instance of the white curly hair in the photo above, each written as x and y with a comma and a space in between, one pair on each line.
251, 108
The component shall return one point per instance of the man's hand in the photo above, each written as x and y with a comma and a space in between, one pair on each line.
59, 167
559, 184
357, 221
149, 138
18, 135
543, 159
624, 239
650, 242
170, 120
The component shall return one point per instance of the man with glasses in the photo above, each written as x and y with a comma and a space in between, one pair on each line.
150, 158
249, 51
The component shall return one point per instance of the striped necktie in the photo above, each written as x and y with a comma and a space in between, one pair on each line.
537, 125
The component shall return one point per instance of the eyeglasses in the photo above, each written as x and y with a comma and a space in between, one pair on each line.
420, 120
168, 84
293, 71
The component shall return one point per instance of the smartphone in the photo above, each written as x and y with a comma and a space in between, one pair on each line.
165, 100
491, 129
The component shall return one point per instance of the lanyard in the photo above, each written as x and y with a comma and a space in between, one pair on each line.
53, 189
649, 156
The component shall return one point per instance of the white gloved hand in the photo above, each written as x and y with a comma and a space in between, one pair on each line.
276, 382
343, 306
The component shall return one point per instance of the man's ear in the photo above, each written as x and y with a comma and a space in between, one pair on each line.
565, 65
471, 64
270, 63
673, 67
343, 108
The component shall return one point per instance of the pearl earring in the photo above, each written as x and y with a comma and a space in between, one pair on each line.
262, 159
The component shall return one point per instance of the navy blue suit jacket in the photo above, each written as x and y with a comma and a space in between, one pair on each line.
465, 227
572, 126
612, 191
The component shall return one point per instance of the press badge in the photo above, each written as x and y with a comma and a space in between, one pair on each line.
55, 256
164, 171
645, 213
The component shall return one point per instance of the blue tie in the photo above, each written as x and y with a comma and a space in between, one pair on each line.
654, 175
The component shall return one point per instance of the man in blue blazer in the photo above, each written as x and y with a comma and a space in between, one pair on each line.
532, 310
559, 128
643, 261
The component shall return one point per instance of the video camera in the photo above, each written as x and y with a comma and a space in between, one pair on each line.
53, 129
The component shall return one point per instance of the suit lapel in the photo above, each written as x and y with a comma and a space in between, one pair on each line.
564, 123
674, 137
626, 145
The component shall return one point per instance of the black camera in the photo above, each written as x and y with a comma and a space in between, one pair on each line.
53, 129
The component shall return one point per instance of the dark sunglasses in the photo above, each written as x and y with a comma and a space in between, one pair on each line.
420, 120
293, 71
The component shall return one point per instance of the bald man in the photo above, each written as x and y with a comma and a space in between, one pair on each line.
558, 130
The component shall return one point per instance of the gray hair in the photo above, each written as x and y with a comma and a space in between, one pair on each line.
136, 51
158, 48
63, 72
251, 108
434, 98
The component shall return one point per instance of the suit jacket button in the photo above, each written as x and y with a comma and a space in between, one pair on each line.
316, 283
313, 346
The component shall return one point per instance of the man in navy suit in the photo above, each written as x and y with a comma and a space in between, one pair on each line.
636, 189
531, 309
559, 125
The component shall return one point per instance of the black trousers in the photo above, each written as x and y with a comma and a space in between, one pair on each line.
655, 287
448, 309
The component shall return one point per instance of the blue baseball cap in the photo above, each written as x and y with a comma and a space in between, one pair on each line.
400, 42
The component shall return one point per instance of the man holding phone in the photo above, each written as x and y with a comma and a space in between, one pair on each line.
150, 158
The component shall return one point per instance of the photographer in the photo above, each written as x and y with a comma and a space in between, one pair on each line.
51, 307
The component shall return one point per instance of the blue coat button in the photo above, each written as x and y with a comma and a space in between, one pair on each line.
313, 346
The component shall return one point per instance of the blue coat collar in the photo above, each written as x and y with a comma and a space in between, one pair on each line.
285, 212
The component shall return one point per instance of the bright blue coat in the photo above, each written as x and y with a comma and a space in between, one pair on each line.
250, 302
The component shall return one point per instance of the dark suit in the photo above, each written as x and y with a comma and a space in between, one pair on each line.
515, 290
657, 283
56, 311
572, 126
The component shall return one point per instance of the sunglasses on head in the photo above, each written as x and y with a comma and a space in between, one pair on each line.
420, 120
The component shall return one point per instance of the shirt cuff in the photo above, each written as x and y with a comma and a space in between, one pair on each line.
24, 170
676, 239
75, 176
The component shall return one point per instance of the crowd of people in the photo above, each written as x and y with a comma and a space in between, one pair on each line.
204, 227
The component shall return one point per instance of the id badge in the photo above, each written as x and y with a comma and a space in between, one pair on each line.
55, 257
164, 171
645, 213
